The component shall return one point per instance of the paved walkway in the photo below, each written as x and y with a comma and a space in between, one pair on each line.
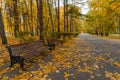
98, 59
85, 57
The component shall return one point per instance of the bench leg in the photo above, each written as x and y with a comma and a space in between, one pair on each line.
12, 63
50, 48
21, 62
53, 46
22, 65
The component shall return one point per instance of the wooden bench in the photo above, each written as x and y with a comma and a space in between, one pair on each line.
19, 52
53, 42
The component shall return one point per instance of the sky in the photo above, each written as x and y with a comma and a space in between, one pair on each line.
85, 9
83, 5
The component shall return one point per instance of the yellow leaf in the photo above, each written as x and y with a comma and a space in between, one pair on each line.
117, 64
66, 75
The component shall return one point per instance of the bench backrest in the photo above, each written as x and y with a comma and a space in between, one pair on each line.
52, 40
17, 49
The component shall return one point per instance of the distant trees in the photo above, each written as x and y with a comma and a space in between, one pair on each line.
74, 14
103, 17
38, 17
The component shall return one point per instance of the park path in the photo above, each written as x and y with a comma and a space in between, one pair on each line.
85, 57
98, 59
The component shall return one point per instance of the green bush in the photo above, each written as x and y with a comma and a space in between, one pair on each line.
67, 33
24, 37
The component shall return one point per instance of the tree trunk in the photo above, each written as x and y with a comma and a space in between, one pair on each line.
26, 18
67, 15
40, 17
70, 23
31, 25
58, 15
64, 16
96, 31
50, 14
16, 23
2, 31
